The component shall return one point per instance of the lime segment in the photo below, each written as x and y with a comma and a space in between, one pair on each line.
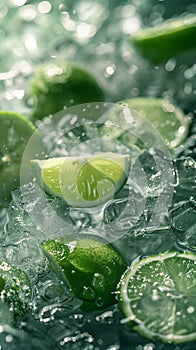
158, 297
55, 85
15, 133
90, 267
87, 181
167, 40
167, 118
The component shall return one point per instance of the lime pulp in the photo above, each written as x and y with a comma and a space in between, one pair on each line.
157, 295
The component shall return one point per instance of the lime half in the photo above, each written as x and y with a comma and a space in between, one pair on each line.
15, 132
56, 85
167, 118
90, 267
168, 39
86, 181
158, 297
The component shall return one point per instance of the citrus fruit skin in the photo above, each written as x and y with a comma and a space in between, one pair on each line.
90, 267
15, 289
157, 297
86, 181
167, 118
15, 132
168, 39
56, 85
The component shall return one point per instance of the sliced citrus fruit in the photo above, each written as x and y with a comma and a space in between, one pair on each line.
90, 267
157, 295
56, 85
85, 181
15, 289
167, 118
15, 132
166, 40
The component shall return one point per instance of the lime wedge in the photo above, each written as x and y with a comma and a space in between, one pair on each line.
168, 39
55, 85
15, 133
167, 118
15, 290
158, 297
90, 267
86, 181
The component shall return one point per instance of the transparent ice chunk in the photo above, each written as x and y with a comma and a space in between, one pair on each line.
185, 182
183, 222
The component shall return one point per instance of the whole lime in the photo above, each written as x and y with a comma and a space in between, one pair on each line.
90, 267
56, 85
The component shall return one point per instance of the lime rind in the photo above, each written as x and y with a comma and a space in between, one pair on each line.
167, 39
47, 174
85, 181
165, 309
171, 25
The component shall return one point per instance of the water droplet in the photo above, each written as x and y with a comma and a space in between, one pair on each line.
87, 293
190, 309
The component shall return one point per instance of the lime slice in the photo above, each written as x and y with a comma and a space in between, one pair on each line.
167, 118
168, 39
90, 267
158, 297
55, 85
86, 181
15, 290
15, 133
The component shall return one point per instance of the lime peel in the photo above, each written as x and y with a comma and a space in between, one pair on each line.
167, 39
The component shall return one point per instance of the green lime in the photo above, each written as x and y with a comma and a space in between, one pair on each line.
167, 118
167, 39
55, 85
157, 295
15, 289
90, 267
15, 133
85, 181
